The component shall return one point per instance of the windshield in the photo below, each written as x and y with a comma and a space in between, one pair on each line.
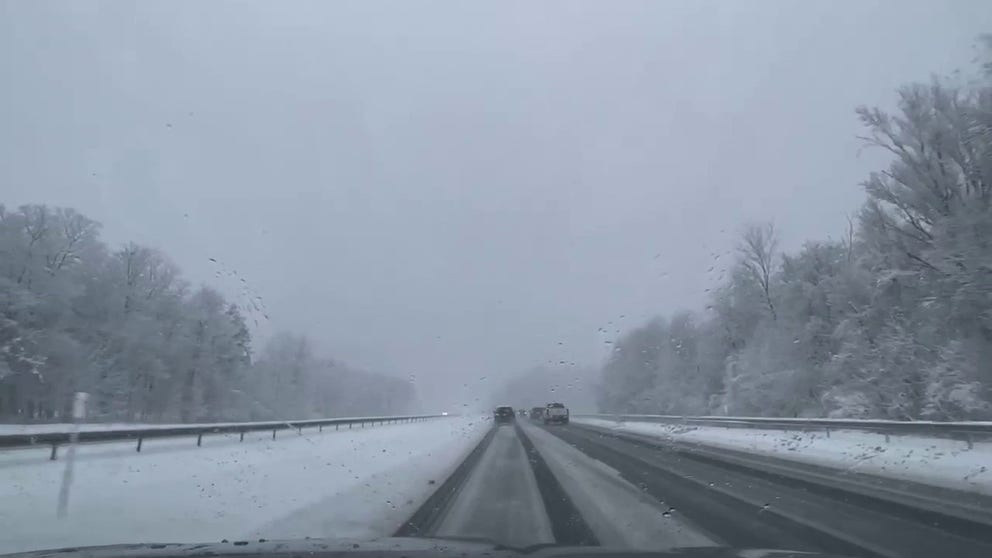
272, 270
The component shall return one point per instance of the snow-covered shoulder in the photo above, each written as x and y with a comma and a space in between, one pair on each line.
361, 482
928, 460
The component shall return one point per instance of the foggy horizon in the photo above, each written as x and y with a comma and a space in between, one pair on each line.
459, 193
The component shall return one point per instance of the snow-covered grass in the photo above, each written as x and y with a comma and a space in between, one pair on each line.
935, 461
68, 427
350, 483
102, 426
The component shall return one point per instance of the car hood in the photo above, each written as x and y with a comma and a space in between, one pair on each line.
393, 547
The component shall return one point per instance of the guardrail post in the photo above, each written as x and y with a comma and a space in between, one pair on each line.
320, 428
828, 431
967, 438
55, 449
242, 436
273, 433
336, 426
299, 430
886, 437
138, 449
199, 439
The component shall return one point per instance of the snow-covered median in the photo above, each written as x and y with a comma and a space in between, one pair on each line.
934, 461
351, 483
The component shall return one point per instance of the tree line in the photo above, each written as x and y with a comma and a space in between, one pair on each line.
892, 321
124, 326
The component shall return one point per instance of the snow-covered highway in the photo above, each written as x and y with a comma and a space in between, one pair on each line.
605, 487
462, 477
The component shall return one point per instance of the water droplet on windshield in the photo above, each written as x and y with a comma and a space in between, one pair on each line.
668, 512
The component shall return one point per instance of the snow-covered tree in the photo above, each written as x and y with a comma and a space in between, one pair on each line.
124, 326
893, 322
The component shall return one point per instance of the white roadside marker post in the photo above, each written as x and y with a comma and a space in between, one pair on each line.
78, 414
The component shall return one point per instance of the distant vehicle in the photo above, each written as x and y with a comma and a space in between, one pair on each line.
537, 413
504, 415
555, 413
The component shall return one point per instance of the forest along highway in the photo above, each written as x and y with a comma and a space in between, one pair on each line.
528, 484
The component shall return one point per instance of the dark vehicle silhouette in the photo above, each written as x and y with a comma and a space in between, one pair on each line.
537, 413
504, 415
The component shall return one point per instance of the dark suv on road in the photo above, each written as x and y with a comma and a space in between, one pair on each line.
504, 415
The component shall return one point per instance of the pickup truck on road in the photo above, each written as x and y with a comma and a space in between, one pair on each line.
555, 413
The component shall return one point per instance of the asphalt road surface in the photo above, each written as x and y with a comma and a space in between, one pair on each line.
500, 499
529, 484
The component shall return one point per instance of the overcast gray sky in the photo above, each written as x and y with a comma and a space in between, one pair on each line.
452, 189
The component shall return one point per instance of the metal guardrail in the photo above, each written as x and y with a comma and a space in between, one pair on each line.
966, 431
55, 439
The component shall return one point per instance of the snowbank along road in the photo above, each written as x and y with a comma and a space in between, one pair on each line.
519, 485
349, 483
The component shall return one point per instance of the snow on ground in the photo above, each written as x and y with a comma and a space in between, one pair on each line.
101, 426
935, 461
351, 483
67, 427
619, 513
